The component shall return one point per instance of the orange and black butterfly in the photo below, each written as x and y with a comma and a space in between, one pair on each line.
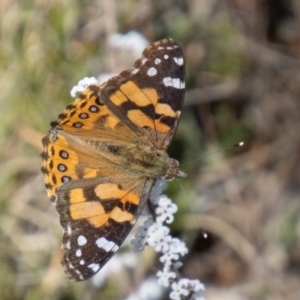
103, 154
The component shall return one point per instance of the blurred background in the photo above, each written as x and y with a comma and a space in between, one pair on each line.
243, 84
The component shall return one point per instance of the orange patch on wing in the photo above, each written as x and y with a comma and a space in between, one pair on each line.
151, 94
51, 192
112, 121
165, 109
98, 221
62, 144
161, 127
132, 198
138, 96
76, 196
107, 191
86, 210
140, 119
118, 98
121, 216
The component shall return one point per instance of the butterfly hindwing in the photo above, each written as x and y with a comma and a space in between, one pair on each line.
97, 217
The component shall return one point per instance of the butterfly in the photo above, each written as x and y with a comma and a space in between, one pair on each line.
105, 151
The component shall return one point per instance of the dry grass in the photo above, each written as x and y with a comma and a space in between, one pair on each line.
243, 83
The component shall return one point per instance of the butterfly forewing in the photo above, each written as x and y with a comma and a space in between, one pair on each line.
149, 96
99, 194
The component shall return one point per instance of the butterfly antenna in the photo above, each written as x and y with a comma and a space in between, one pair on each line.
191, 208
240, 144
204, 233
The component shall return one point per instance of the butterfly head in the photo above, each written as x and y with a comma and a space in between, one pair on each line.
174, 170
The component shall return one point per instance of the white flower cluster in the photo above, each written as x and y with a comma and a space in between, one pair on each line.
131, 41
156, 235
186, 288
82, 85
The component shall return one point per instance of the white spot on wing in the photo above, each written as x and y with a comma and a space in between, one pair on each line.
106, 245
78, 272
68, 245
82, 262
78, 252
174, 82
94, 267
144, 60
169, 48
69, 230
81, 240
134, 71
71, 266
178, 60
157, 61
166, 56
160, 48
152, 71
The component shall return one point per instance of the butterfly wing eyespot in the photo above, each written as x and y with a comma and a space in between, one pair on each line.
90, 173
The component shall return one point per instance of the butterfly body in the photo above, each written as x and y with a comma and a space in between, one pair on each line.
103, 154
